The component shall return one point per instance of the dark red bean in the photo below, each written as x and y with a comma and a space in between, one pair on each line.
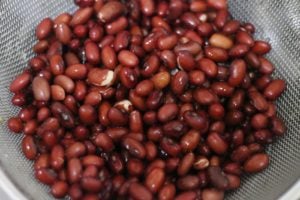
59, 189
128, 77
81, 16
190, 140
195, 120
109, 57
77, 71
186, 164
277, 126
15, 125
258, 101
217, 177
134, 147
204, 96
261, 47
155, 179
190, 195
238, 50
103, 141
256, 163
116, 26
167, 112
208, 67
188, 182
74, 170
217, 143
216, 54
92, 53
44, 29
244, 38
170, 146
212, 194
116, 117
144, 88
274, 89
167, 192
266, 67
29, 147
110, 11
237, 72
139, 192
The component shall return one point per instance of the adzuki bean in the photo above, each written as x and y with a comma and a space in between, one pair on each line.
145, 100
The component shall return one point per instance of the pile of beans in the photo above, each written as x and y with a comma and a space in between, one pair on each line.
146, 99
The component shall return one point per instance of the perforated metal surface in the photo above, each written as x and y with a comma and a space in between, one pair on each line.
275, 20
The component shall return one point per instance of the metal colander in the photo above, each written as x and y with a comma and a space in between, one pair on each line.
277, 21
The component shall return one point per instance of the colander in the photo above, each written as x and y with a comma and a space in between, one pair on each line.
277, 21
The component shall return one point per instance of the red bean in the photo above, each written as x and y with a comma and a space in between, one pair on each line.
91, 184
20, 82
92, 53
274, 89
221, 41
167, 42
87, 114
261, 47
167, 192
41, 89
76, 150
144, 87
57, 157
217, 4
59, 189
185, 61
208, 67
278, 127
155, 179
63, 33
222, 89
216, 54
44, 29
161, 80
81, 16
186, 164
77, 71
139, 192
45, 176
101, 77
204, 96
109, 57
216, 143
15, 125
238, 50
212, 194
74, 170
266, 67
191, 195
134, 147
179, 82
258, 101
244, 38
256, 163
237, 72
128, 77
29, 148
110, 11
167, 112
128, 58
117, 25
96, 33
